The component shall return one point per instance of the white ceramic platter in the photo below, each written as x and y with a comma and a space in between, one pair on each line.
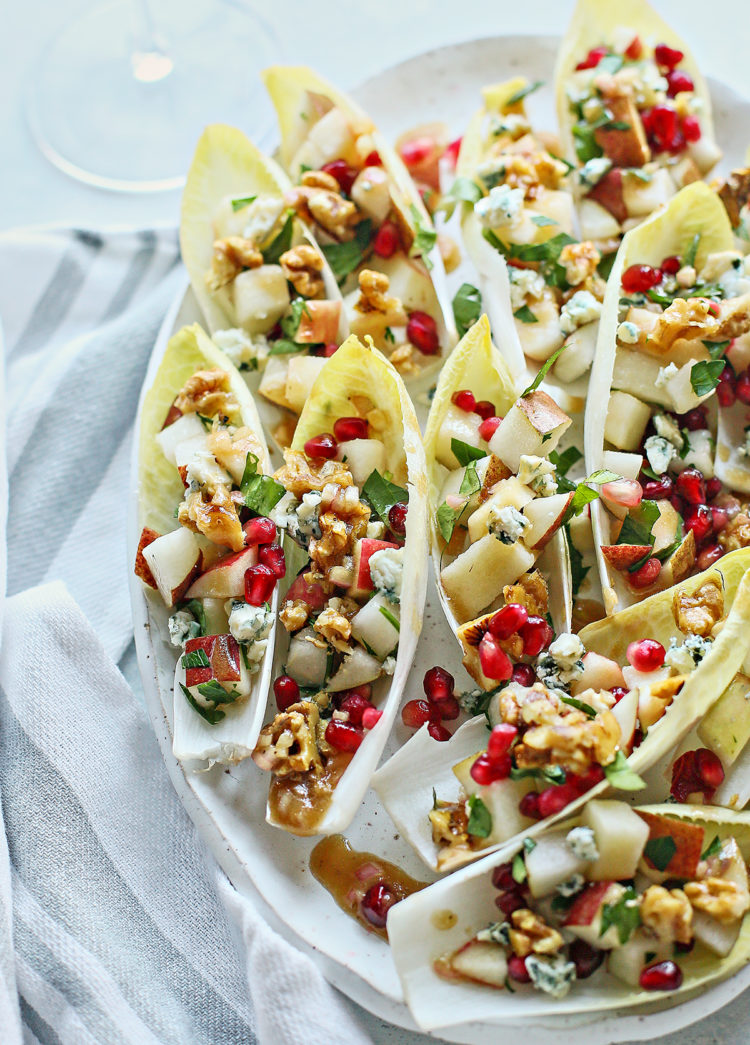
228, 806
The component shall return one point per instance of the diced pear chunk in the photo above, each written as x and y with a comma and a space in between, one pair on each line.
187, 427
372, 626
578, 356
501, 798
681, 391
627, 418
371, 192
620, 837
477, 576
551, 862
643, 197
545, 515
457, 424
627, 961
301, 375
596, 222
719, 937
362, 457
260, 298
533, 427
636, 373
482, 961
626, 465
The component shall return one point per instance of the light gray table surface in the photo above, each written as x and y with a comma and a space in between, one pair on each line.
347, 42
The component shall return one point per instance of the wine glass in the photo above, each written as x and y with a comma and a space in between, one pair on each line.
119, 98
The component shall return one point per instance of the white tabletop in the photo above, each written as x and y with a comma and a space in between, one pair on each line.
347, 42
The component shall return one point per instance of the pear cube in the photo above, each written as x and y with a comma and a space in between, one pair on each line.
620, 837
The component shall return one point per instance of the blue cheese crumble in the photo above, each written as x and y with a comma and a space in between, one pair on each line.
507, 523
538, 473
571, 886
261, 218
203, 470
246, 351
524, 283
582, 843
660, 452
182, 626
553, 975
299, 518
496, 932
582, 308
594, 170
628, 333
386, 571
684, 658
562, 663
500, 208
251, 626
667, 428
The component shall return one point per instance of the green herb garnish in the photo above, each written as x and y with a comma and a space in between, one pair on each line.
280, 243
524, 92
344, 258
211, 715
480, 820
425, 238
704, 375
467, 307
660, 851
241, 202
625, 915
261, 492
464, 452
390, 618
621, 776
381, 494
525, 315
196, 658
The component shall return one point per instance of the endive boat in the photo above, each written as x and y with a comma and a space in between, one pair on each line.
668, 400
204, 497
495, 512
355, 505
362, 206
634, 114
615, 909
539, 284
588, 712
270, 299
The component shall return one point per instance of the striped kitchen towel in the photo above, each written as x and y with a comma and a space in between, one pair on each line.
112, 925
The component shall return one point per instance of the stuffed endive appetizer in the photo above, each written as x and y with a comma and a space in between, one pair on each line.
496, 515
634, 113
355, 505
539, 285
617, 908
269, 297
356, 194
204, 499
669, 400
586, 712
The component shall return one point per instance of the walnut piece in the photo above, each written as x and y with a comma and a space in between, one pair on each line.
736, 534
343, 520
334, 623
289, 744
300, 475
207, 392
449, 824
530, 169
373, 294
719, 898
213, 512
734, 192
230, 256
531, 934
579, 261
696, 614
668, 914
687, 318
230, 448
320, 180
529, 591
404, 358
294, 614
303, 267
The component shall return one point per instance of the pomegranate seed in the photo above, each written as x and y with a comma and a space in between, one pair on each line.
355, 705
586, 958
438, 732
376, 903
517, 969
658, 489
554, 799
415, 713
694, 419
628, 493
272, 555
661, 976
508, 620
646, 655
416, 149
529, 805
691, 486
667, 57
677, 504
708, 556
449, 709
691, 128
639, 278
523, 674
365, 690
342, 172
700, 521
634, 50
421, 331
387, 240
509, 902
452, 150
371, 717
372, 159
678, 81
493, 660
725, 390
328, 350
582, 784
286, 691
397, 518
637, 738
323, 445
485, 409
710, 769
618, 693
347, 428
464, 400
259, 530
662, 126
684, 948
488, 428
671, 265
500, 741
486, 771
593, 58
743, 387
343, 736
502, 877
536, 634
438, 684
720, 518
260, 581
713, 488
646, 574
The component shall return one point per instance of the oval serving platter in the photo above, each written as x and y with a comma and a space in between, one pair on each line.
268, 866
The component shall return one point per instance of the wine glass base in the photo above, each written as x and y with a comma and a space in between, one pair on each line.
121, 109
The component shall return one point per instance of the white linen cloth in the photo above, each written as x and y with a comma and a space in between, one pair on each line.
112, 928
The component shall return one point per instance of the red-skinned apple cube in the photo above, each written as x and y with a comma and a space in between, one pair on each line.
364, 549
226, 578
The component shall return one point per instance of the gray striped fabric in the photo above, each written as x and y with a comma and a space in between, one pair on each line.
112, 926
